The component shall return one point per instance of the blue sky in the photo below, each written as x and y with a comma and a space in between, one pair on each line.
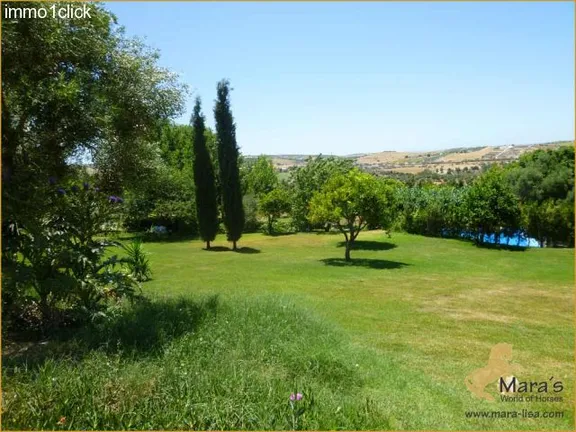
342, 78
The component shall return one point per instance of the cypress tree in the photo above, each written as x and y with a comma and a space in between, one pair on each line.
232, 208
204, 180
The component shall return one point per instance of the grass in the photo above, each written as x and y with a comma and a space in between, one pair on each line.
384, 342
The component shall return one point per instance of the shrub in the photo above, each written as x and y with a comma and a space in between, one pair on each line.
284, 226
138, 263
273, 205
167, 199
251, 223
56, 268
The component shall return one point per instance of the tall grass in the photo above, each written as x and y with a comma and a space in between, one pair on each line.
186, 364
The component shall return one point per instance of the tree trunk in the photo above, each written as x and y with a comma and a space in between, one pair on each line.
269, 225
348, 247
208, 245
234, 245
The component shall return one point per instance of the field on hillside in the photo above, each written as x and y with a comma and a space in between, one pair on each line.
384, 342
416, 162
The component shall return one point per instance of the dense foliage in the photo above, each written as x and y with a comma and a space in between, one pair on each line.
273, 205
228, 160
204, 180
262, 177
351, 202
57, 270
533, 197
308, 180
73, 91
87, 117
543, 181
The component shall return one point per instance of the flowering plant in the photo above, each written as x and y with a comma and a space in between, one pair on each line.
58, 263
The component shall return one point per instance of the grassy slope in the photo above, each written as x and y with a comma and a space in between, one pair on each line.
430, 308
415, 314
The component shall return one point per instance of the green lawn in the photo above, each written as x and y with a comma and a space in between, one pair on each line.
382, 343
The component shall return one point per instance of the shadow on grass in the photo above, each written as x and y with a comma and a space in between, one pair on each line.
279, 234
155, 238
364, 262
369, 245
500, 247
242, 250
328, 233
143, 329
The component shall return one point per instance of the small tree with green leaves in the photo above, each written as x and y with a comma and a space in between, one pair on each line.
490, 206
262, 178
232, 208
273, 205
306, 180
351, 202
204, 179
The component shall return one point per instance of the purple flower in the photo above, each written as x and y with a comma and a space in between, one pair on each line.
61, 191
86, 185
112, 199
297, 396
52, 181
97, 189
119, 200
75, 188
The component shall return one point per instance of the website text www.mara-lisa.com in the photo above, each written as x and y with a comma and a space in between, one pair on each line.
514, 414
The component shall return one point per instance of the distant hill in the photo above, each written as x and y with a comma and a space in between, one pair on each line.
437, 161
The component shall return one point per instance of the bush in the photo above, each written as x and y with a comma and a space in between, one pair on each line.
251, 223
56, 269
138, 262
283, 226
167, 200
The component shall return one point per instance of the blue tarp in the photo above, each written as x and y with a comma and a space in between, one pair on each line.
518, 239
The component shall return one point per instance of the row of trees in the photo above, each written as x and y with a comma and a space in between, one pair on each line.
204, 176
533, 197
87, 118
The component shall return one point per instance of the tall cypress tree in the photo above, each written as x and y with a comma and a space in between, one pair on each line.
232, 208
206, 204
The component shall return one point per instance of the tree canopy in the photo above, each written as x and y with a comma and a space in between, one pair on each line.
204, 180
78, 89
262, 177
351, 202
305, 181
228, 155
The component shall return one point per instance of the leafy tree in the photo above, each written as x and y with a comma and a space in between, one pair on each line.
77, 90
273, 205
262, 178
73, 92
431, 210
232, 208
543, 181
490, 206
550, 221
252, 223
167, 199
305, 181
204, 179
175, 145
351, 202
